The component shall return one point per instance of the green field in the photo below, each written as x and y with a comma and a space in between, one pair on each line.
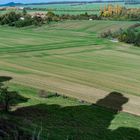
92, 8
87, 6
74, 9
63, 118
71, 59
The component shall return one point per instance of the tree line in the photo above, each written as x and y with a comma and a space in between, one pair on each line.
22, 19
118, 12
19, 19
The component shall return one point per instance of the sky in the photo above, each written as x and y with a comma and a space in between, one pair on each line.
34, 1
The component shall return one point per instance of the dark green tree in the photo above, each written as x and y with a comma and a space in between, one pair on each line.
24, 12
7, 97
137, 41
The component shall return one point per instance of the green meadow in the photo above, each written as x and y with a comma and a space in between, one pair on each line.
61, 118
85, 6
71, 59
73, 9
90, 8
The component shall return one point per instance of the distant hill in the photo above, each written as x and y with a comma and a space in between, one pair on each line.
12, 4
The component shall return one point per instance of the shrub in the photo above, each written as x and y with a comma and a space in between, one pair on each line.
131, 35
27, 21
9, 18
106, 34
47, 94
137, 40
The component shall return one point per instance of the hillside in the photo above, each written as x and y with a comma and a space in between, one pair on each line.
72, 60
61, 118
65, 81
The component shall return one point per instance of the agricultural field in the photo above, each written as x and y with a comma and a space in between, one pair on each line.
71, 59
91, 8
61, 118
72, 9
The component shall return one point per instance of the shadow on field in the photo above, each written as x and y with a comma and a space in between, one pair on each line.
83, 122
114, 100
13, 95
8, 129
53, 122
4, 79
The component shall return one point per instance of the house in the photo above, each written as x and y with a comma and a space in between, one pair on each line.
39, 14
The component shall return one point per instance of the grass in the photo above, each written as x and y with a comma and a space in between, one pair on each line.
92, 8
70, 58
67, 118
74, 9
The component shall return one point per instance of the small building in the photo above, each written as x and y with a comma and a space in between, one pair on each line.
39, 14
22, 18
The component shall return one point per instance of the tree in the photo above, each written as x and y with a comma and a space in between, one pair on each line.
130, 36
26, 22
7, 97
137, 41
9, 18
24, 12
37, 20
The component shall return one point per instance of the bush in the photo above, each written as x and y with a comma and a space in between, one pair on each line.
20, 20
137, 41
23, 19
130, 35
47, 94
26, 21
106, 34
37, 21
9, 18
